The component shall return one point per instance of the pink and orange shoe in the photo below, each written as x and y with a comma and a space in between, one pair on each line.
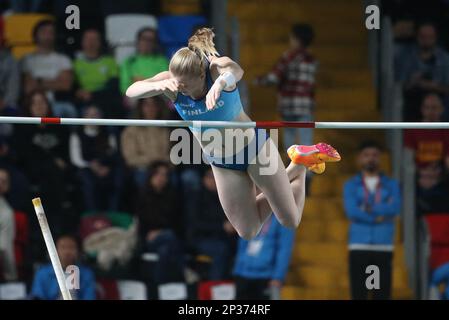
313, 157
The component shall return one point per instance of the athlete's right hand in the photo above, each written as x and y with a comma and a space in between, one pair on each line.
168, 85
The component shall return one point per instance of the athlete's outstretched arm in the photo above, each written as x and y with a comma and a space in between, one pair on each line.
162, 83
226, 73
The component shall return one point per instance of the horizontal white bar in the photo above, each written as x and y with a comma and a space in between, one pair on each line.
226, 124
382, 125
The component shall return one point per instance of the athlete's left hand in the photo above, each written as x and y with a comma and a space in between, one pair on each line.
213, 94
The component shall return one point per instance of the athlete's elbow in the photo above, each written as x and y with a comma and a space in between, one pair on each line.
240, 73
131, 92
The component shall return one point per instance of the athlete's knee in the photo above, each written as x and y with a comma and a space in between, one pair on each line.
248, 233
291, 221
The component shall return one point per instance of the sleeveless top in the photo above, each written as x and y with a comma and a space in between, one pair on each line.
227, 108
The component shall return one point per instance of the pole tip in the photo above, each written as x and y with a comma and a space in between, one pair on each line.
37, 202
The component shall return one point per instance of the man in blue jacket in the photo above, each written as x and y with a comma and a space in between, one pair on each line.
441, 276
45, 286
262, 263
372, 201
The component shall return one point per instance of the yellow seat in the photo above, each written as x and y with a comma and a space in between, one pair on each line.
184, 7
361, 100
321, 253
400, 278
310, 231
301, 293
20, 51
337, 77
336, 230
323, 208
19, 28
317, 276
327, 184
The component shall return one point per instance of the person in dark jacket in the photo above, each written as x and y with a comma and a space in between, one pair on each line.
372, 201
432, 189
160, 220
42, 153
94, 151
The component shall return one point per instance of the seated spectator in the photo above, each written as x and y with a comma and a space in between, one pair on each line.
160, 218
24, 6
261, 264
130, 6
7, 232
9, 82
18, 196
425, 69
372, 201
429, 145
440, 276
42, 153
45, 286
49, 71
141, 146
9, 87
147, 62
432, 189
97, 76
93, 150
209, 230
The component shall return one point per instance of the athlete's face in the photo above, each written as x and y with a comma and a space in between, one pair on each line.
191, 86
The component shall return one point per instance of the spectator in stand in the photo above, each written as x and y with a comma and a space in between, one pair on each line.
425, 69
141, 146
432, 189
261, 264
9, 87
42, 153
160, 224
147, 62
45, 285
441, 276
429, 145
49, 71
93, 150
7, 232
97, 76
209, 231
9, 81
23, 6
19, 185
294, 75
372, 202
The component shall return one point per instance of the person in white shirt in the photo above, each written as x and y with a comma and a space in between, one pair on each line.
49, 71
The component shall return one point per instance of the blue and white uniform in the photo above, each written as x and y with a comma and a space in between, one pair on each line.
227, 108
